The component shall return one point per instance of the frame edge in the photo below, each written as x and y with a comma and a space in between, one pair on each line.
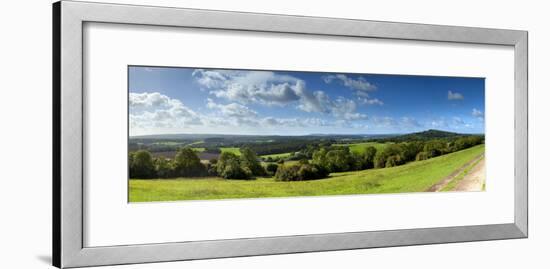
56, 134
521, 86
68, 250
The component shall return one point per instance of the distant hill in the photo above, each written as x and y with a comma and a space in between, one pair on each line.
424, 135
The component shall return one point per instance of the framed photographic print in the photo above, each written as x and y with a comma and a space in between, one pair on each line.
185, 134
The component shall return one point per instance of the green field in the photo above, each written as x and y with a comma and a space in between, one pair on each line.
360, 147
278, 155
411, 177
235, 151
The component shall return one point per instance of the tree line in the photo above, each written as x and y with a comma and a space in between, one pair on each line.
315, 160
331, 159
186, 163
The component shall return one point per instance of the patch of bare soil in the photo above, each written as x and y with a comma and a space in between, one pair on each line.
474, 180
442, 183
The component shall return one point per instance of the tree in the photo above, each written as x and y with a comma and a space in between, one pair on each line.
381, 157
250, 161
368, 157
320, 157
229, 167
187, 163
141, 165
421, 156
339, 160
434, 148
163, 167
410, 150
393, 160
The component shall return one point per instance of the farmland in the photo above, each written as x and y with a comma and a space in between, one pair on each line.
195, 167
361, 147
411, 177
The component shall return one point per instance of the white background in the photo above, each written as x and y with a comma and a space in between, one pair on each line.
25, 114
110, 220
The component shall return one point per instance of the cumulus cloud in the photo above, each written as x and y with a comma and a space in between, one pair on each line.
345, 109
250, 86
149, 100
269, 88
454, 96
155, 110
360, 86
232, 110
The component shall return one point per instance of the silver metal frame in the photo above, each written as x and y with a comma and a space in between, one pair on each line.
68, 19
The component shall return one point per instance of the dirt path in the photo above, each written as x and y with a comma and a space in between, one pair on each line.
474, 180
442, 183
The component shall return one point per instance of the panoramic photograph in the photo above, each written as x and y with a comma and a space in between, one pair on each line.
209, 134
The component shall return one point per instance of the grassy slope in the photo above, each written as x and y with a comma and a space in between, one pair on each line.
412, 177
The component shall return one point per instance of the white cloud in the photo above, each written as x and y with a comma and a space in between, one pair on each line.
232, 110
155, 110
477, 113
150, 100
269, 88
238, 115
457, 121
360, 84
454, 96
343, 108
316, 101
370, 101
250, 86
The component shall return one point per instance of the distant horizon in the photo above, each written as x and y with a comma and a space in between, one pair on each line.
310, 134
174, 100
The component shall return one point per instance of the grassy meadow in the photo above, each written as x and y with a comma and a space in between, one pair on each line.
361, 147
415, 176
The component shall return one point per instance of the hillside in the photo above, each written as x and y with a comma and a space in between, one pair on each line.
411, 177
422, 136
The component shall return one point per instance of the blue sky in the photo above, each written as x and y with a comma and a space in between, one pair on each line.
190, 100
